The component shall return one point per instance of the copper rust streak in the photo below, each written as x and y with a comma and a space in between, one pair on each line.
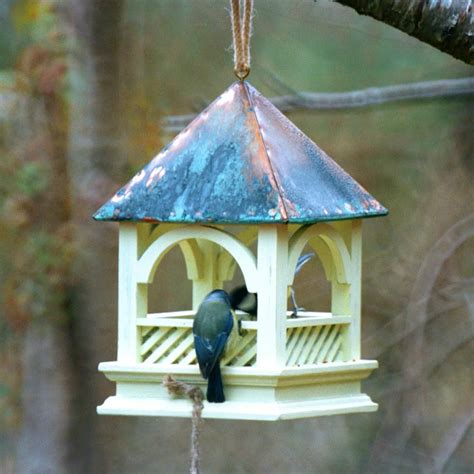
272, 177
258, 169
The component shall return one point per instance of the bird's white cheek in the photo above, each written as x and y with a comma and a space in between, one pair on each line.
234, 338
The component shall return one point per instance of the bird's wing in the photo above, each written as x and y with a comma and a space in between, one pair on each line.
209, 351
211, 328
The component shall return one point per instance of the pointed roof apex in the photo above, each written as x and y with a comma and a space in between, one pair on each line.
241, 161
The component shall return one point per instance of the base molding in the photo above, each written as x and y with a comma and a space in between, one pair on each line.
267, 411
253, 393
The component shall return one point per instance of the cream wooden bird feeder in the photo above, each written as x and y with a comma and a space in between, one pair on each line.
242, 162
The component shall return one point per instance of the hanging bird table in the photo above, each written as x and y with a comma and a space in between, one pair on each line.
242, 162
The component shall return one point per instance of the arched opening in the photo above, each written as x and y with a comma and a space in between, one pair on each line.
311, 287
166, 334
331, 287
170, 289
233, 278
237, 279
329, 246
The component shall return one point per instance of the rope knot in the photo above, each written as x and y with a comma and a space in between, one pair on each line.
241, 32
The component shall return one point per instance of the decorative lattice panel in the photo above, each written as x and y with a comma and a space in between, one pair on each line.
305, 345
314, 344
175, 345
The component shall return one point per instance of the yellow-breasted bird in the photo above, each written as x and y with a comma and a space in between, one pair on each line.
215, 330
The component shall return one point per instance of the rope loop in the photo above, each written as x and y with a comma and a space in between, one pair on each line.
242, 71
241, 33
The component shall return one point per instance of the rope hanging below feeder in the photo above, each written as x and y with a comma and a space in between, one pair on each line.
196, 395
241, 32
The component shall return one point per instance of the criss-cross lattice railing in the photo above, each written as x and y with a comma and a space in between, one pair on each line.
312, 338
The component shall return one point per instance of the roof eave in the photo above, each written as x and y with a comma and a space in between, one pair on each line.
243, 221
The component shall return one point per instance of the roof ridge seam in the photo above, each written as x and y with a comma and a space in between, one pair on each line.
280, 191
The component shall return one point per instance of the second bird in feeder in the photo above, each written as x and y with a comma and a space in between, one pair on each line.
240, 297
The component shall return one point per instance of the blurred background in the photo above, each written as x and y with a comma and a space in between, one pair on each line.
85, 86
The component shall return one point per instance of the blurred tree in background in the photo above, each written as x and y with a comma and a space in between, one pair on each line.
84, 86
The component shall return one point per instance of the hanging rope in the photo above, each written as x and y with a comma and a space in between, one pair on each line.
197, 396
241, 32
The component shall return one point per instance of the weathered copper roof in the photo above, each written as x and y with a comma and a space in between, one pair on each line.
241, 161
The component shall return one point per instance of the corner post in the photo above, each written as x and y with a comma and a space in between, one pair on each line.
272, 295
355, 288
132, 297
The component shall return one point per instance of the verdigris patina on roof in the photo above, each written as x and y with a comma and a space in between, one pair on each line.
241, 161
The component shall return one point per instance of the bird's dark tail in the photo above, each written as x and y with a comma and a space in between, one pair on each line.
215, 389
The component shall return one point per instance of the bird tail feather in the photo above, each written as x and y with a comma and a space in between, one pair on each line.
215, 389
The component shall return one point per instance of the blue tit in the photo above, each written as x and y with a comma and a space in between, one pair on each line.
241, 299
216, 331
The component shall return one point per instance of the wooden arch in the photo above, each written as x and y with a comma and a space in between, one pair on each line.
185, 237
226, 263
328, 245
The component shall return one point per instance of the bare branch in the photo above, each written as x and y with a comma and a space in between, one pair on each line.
446, 25
354, 99
424, 283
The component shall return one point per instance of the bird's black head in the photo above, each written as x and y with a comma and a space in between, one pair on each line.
218, 295
237, 295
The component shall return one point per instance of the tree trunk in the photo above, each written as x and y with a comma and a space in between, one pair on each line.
44, 442
97, 168
42, 250
447, 26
